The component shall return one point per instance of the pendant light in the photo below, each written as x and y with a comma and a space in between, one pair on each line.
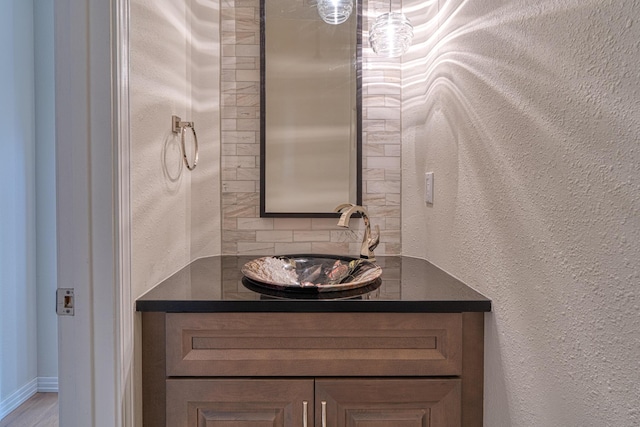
391, 34
335, 11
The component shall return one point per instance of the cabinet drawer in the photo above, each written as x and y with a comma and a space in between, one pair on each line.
313, 344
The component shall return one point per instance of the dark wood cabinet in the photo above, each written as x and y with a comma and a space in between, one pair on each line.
312, 369
321, 402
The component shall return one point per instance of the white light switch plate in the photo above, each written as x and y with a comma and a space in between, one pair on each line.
428, 187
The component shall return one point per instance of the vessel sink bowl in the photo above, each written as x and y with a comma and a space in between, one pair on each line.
311, 273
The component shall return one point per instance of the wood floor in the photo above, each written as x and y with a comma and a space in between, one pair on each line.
41, 410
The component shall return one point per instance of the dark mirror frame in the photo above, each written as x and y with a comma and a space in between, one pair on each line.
263, 213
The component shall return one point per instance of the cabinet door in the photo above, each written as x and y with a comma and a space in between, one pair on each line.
238, 402
388, 403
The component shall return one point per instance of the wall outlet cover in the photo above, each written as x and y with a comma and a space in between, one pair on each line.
428, 188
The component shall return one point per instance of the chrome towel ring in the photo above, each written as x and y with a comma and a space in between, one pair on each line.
178, 126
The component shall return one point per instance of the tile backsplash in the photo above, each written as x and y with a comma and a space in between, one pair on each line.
243, 231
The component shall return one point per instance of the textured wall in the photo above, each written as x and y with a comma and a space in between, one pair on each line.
528, 113
174, 70
243, 231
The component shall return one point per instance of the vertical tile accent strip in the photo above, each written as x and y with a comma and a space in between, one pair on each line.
243, 231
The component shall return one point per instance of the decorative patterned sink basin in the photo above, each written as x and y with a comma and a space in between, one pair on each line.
311, 273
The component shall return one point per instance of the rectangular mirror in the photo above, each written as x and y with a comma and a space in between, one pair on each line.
311, 110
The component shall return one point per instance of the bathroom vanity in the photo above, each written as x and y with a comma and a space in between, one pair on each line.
404, 351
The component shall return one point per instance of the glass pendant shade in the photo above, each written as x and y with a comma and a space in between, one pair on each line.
335, 11
391, 34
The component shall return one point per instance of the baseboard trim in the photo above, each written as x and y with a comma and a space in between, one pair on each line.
36, 385
47, 384
18, 398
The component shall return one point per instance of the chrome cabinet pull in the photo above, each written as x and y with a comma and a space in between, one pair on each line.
305, 412
324, 413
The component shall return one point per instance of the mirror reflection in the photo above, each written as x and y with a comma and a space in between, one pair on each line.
310, 110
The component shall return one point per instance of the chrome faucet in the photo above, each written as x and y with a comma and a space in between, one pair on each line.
369, 243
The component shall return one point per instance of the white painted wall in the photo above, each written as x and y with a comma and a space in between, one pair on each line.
28, 327
18, 340
174, 70
528, 113
46, 270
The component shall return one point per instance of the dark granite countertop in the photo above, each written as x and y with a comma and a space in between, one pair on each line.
215, 284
